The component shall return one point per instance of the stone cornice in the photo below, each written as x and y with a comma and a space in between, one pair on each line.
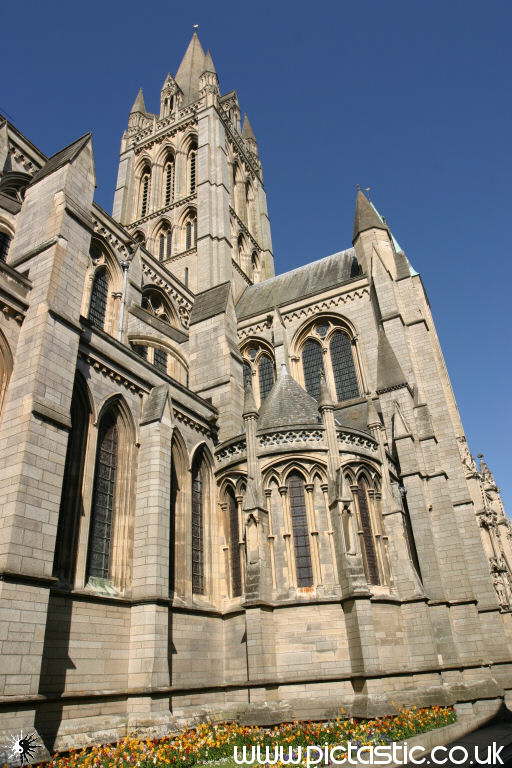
243, 227
240, 271
158, 279
173, 128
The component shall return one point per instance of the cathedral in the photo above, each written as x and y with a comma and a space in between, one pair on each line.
225, 493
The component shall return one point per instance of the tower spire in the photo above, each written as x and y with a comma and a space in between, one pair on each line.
190, 69
366, 216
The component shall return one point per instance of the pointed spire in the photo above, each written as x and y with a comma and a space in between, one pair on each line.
208, 65
138, 104
190, 70
325, 399
247, 131
389, 373
366, 216
373, 418
250, 408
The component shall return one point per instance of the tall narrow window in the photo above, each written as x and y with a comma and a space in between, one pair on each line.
192, 165
165, 243
71, 499
140, 350
372, 566
300, 529
160, 359
99, 298
169, 182
313, 366
5, 241
190, 233
266, 376
103, 501
175, 489
343, 367
234, 535
145, 185
197, 526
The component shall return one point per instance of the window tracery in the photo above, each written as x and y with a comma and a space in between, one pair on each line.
99, 298
327, 347
145, 189
258, 370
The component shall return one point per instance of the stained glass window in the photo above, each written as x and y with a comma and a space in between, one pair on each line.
160, 359
197, 528
313, 366
140, 350
366, 526
5, 242
343, 367
266, 376
103, 501
234, 530
300, 529
99, 298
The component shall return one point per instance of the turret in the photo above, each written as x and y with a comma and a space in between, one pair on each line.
248, 134
209, 82
170, 96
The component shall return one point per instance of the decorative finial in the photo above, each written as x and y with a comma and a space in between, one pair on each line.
195, 26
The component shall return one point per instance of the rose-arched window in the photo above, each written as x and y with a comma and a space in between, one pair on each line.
327, 348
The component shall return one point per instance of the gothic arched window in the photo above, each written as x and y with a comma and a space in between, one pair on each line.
234, 538
365, 522
169, 182
99, 298
190, 232
103, 500
259, 370
266, 375
145, 189
198, 501
165, 242
343, 368
5, 241
298, 514
313, 366
156, 304
192, 169
160, 359
326, 347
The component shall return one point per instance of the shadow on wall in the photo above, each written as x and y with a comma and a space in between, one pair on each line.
54, 666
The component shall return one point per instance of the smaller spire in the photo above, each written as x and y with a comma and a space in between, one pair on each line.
138, 104
389, 372
373, 418
366, 216
325, 399
209, 66
250, 408
247, 131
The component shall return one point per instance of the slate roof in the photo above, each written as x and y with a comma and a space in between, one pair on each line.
66, 155
299, 283
287, 405
209, 303
353, 417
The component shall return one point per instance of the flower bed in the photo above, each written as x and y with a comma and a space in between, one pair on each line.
209, 743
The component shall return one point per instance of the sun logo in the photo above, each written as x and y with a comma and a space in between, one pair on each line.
23, 748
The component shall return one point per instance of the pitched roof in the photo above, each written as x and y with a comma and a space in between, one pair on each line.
61, 158
366, 216
287, 405
209, 303
138, 104
297, 284
190, 70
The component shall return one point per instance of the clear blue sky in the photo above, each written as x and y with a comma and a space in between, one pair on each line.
409, 97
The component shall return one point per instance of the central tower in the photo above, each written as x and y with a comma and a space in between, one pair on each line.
190, 183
